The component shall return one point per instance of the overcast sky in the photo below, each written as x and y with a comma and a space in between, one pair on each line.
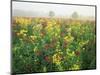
59, 9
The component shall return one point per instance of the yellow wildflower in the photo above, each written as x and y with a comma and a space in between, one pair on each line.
75, 67
69, 38
49, 26
23, 21
18, 33
23, 31
83, 42
57, 58
33, 37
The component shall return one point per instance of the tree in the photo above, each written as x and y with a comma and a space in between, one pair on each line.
75, 15
51, 13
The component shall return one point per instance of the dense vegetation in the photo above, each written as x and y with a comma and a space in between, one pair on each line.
49, 44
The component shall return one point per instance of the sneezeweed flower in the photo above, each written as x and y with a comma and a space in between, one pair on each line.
23, 31
49, 23
33, 37
24, 34
18, 34
83, 42
23, 21
68, 38
37, 27
70, 53
75, 67
49, 26
58, 51
57, 57
75, 22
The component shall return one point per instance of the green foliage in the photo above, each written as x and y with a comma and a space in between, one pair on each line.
48, 45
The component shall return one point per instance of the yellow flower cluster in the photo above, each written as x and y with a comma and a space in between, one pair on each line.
33, 37
57, 58
69, 38
23, 21
49, 26
22, 32
75, 22
83, 43
75, 67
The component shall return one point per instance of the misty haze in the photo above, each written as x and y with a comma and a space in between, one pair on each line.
42, 10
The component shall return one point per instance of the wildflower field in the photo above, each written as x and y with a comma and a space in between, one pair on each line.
52, 44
